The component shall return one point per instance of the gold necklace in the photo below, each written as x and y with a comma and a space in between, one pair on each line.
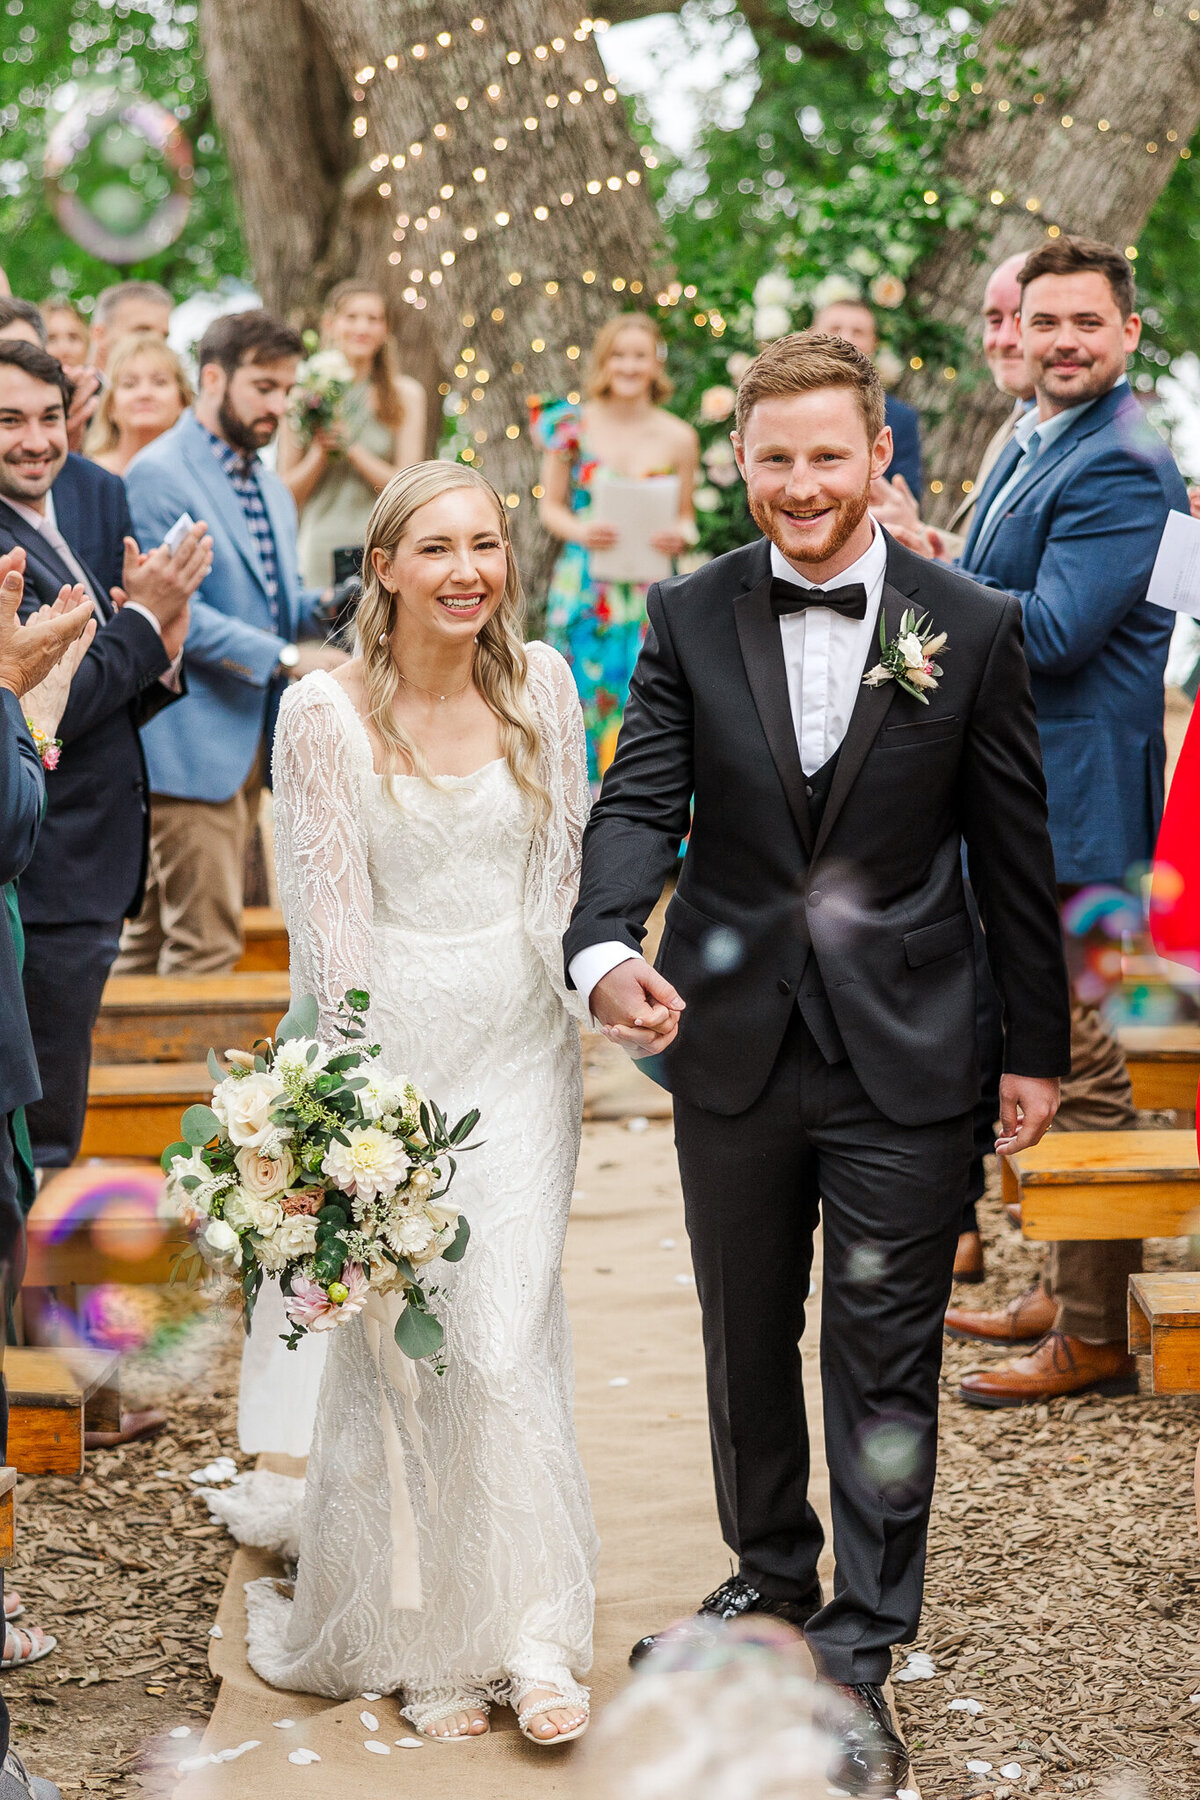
428, 692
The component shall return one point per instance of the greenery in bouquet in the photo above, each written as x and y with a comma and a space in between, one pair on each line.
316, 1167
323, 380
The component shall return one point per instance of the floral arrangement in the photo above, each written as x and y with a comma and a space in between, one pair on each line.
322, 383
316, 1167
48, 748
908, 659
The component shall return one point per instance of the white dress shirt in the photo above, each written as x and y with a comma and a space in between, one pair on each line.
824, 654
46, 524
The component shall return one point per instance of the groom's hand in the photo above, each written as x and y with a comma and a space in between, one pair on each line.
1027, 1108
636, 1008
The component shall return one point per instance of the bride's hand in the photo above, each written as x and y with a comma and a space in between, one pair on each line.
636, 1008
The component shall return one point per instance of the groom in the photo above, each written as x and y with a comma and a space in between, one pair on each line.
813, 1005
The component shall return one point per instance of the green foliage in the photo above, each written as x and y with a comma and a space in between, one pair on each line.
52, 46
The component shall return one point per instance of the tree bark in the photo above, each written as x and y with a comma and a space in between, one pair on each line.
331, 184
1087, 61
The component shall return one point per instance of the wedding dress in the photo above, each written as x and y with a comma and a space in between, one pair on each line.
448, 905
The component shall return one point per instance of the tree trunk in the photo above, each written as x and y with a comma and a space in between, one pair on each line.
379, 177
1090, 61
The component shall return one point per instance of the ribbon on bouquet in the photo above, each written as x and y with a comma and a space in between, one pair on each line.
399, 1372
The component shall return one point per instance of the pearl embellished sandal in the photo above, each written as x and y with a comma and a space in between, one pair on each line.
568, 1697
424, 1710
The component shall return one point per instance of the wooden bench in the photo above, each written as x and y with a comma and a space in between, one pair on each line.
266, 940
1164, 1065
8, 1516
54, 1396
1081, 1185
134, 1109
163, 1018
98, 1222
1164, 1324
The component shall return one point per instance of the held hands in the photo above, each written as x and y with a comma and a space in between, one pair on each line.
1027, 1108
671, 542
636, 1008
163, 583
29, 652
596, 536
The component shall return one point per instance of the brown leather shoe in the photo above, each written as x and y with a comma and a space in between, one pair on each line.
968, 1258
1058, 1366
1023, 1321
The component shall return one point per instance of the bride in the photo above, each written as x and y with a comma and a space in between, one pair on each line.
430, 797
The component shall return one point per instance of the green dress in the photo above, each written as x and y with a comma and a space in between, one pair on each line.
335, 514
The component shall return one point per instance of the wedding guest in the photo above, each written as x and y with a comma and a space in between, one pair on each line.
336, 479
624, 429
68, 333
20, 321
1069, 520
208, 759
146, 393
854, 321
127, 308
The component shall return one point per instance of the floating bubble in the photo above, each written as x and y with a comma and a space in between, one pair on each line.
1102, 907
890, 1456
118, 172
722, 950
866, 1264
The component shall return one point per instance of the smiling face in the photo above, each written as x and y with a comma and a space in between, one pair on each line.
246, 408
809, 464
33, 435
448, 571
359, 326
1074, 338
631, 364
1002, 330
145, 395
67, 337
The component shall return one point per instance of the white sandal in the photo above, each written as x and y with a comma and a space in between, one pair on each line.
567, 1696
31, 1652
425, 1709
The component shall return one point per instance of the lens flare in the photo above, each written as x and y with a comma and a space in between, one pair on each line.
118, 173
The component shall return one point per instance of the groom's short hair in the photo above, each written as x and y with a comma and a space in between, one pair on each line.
805, 361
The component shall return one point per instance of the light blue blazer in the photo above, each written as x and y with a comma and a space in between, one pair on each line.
204, 747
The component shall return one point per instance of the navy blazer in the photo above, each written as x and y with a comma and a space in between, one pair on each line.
905, 422
1076, 543
92, 509
90, 861
22, 791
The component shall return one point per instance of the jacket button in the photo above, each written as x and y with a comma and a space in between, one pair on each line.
814, 899
785, 987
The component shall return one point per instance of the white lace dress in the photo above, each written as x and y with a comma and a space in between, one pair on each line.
449, 907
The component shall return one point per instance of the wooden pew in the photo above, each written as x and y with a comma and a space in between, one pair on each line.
134, 1108
54, 1396
162, 1018
1164, 1065
98, 1222
8, 1516
266, 939
1164, 1324
1106, 1184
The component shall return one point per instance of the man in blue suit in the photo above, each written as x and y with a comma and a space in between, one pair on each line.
1069, 520
209, 761
854, 321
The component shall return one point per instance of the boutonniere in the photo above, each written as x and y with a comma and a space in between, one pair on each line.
908, 659
48, 748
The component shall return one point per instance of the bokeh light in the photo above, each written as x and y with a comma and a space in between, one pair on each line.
118, 172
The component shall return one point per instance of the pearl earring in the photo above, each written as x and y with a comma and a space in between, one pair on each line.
383, 637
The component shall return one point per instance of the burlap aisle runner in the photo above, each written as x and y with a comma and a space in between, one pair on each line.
640, 1408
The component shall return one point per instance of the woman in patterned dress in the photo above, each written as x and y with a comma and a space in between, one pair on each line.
621, 427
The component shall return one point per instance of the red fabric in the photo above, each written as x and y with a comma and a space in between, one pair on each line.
1175, 887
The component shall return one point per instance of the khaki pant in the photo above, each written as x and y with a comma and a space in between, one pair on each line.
1090, 1280
191, 919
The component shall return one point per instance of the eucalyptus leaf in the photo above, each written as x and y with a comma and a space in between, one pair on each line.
170, 1153
418, 1333
454, 1253
300, 1020
200, 1125
465, 1126
214, 1067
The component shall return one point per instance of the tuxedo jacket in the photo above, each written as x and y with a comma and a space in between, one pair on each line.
1076, 543
22, 793
865, 909
90, 860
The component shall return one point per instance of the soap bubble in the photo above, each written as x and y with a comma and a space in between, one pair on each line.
891, 1458
118, 172
722, 950
866, 1264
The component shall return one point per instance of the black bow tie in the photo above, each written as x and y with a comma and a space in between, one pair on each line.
786, 597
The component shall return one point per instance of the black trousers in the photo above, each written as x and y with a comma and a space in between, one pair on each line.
890, 1199
66, 967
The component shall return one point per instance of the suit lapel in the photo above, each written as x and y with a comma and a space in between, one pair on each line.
762, 653
39, 551
870, 710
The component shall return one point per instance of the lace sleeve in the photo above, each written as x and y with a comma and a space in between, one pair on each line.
552, 884
320, 852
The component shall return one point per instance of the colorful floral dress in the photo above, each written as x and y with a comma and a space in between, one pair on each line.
598, 626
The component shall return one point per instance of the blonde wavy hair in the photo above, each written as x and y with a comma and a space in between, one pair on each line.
598, 382
104, 434
501, 664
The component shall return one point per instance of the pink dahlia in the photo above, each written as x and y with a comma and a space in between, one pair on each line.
309, 1306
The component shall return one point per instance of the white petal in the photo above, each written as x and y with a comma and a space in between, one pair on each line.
180, 1731
215, 1631
637, 1124
408, 1743
685, 1280
979, 1768
369, 1720
376, 1748
666, 1243
619, 1381
1010, 1771
283, 1724
370, 1696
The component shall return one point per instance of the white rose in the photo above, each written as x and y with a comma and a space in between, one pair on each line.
771, 322
382, 1097
265, 1175
296, 1237
370, 1165
910, 649
253, 1212
223, 1242
243, 1104
411, 1233
293, 1054
268, 1253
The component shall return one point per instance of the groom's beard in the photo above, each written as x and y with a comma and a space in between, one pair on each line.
843, 523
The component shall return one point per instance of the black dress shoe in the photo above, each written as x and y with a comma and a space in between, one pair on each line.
735, 1597
871, 1755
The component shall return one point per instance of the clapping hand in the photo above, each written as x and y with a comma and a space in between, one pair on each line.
30, 653
84, 401
636, 1008
894, 504
163, 583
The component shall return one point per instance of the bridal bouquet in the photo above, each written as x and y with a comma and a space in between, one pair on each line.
322, 383
316, 1167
